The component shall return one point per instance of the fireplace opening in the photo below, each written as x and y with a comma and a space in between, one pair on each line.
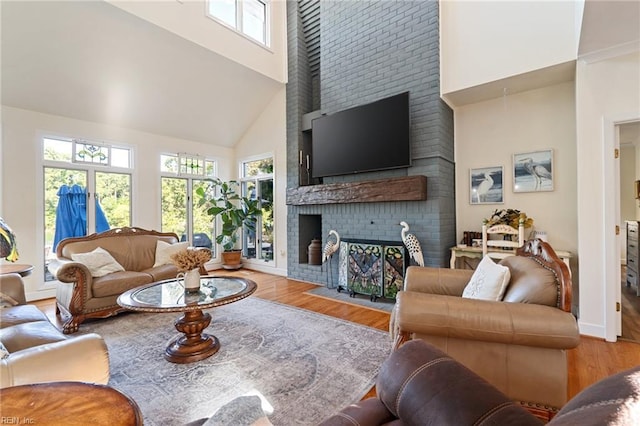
309, 228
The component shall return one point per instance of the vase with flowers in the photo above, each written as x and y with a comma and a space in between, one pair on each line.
511, 217
189, 262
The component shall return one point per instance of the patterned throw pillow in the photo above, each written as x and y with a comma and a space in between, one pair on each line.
488, 281
244, 410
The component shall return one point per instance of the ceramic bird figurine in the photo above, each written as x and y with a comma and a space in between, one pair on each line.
330, 247
412, 244
8, 246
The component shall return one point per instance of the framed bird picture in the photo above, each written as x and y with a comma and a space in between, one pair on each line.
533, 171
485, 185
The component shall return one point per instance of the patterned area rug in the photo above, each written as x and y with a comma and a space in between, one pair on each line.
385, 305
305, 366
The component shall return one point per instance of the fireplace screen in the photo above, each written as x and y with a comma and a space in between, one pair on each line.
373, 268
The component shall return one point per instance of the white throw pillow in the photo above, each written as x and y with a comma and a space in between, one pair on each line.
488, 282
100, 262
165, 250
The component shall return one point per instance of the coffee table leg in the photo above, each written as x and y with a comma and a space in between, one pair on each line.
194, 345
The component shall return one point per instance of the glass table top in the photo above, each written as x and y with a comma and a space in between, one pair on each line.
170, 295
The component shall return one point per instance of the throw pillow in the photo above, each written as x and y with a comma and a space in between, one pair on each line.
3, 351
99, 262
242, 411
488, 281
164, 251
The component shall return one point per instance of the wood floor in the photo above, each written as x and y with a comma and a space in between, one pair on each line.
591, 361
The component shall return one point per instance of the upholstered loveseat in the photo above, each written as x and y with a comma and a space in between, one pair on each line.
518, 343
33, 350
419, 385
141, 257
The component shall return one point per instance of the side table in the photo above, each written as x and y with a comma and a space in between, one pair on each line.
68, 404
16, 268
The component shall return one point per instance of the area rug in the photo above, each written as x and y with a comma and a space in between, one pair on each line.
305, 366
359, 299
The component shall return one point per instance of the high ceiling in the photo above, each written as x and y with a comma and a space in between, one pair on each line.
92, 61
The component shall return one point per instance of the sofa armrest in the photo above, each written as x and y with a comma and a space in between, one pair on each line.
12, 290
482, 320
83, 359
68, 271
369, 411
436, 280
421, 385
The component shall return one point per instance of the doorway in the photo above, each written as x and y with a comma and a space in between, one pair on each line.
629, 138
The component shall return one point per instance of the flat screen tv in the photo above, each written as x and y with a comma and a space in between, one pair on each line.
365, 138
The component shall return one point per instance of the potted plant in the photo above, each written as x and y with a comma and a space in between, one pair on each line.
234, 211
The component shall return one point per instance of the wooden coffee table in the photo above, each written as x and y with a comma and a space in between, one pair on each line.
68, 404
170, 296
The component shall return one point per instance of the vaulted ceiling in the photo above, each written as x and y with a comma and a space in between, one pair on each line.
91, 61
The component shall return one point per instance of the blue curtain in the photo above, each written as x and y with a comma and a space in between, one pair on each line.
71, 214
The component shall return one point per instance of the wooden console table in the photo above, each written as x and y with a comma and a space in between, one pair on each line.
476, 253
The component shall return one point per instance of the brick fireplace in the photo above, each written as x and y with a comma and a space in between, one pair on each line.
348, 53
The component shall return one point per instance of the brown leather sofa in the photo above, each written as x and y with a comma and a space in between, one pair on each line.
80, 296
419, 385
519, 347
37, 352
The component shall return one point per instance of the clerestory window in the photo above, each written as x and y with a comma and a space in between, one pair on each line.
249, 17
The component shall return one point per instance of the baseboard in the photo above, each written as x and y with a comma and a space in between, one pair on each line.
592, 330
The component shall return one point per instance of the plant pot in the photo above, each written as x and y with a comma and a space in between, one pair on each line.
231, 259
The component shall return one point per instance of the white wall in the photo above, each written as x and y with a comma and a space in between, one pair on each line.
22, 176
484, 41
268, 135
187, 19
607, 91
489, 133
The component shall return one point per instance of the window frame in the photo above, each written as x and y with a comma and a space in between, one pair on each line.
190, 179
256, 179
239, 24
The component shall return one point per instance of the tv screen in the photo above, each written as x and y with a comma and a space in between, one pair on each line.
369, 137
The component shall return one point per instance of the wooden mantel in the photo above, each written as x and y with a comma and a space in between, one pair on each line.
409, 188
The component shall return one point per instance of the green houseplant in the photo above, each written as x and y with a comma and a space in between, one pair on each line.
222, 199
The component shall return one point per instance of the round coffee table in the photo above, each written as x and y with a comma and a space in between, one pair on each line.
170, 296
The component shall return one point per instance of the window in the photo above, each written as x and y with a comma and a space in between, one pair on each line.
87, 189
246, 16
182, 175
257, 182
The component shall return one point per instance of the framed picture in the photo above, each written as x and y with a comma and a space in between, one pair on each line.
485, 185
533, 171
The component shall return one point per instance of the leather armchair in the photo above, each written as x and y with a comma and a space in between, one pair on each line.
518, 344
37, 351
420, 385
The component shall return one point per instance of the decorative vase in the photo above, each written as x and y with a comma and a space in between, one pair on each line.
314, 252
190, 280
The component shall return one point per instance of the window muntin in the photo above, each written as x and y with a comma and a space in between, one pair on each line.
249, 17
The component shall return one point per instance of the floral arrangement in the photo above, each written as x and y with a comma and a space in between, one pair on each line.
189, 259
509, 217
